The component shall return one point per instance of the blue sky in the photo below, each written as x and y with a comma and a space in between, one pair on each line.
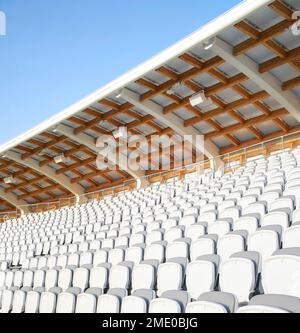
58, 51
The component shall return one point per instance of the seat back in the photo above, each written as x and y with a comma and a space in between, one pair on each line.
32, 303
201, 276
238, 276
133, 304
81, 278
143, 277
163, 305
99, 277
66, 303
205, 245
169, 277
108, 304
177, 250
119, 277
286, 267
86, 303
47, 303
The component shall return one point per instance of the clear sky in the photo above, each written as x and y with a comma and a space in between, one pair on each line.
58, 51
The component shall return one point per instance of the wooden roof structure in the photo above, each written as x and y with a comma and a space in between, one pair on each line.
247, 64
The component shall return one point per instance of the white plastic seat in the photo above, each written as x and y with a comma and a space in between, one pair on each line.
155, 252
195, 231
276, 218
231, 243
143, 277
206, 307
3, 277
214, 302
258, 209
173, 234
18, 279
283, 203
66, 303
247, 223
81, 278
205, 245
134, 254
65, 279
119, 277
7, 300
269, 196
293, 189
28, 279
99, 278
95, 245
188, 220
33, 264
86, 259
122, 242
86, 303
226, 204
84, 247
296, 216
201, 275
62, 261
73, 260
246, 201
285, 266
291, 237
209, 217
238, 276
42, 262
116, 256
232, 213
169, 277
219, 228
208, 208
177, 250
133, 304
163, 305
100, 257
51, 279
265, 241
154, 236
137, 239
108, 244
108, 304
153, 226
18, 304
51, 262
39, 279
32, 303
272, 304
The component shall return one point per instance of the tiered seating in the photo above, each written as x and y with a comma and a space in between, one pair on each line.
208, 243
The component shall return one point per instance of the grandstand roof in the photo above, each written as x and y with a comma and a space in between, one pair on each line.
251, 73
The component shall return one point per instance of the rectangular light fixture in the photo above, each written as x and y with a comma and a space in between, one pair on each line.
120, 133
198, 99
209, 44
9, 180
59, 159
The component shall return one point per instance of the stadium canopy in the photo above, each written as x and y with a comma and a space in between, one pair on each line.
246, 62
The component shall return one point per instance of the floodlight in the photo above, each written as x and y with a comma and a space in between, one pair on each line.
209, 44
59, 159
198, 99
9, 180
121, 132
